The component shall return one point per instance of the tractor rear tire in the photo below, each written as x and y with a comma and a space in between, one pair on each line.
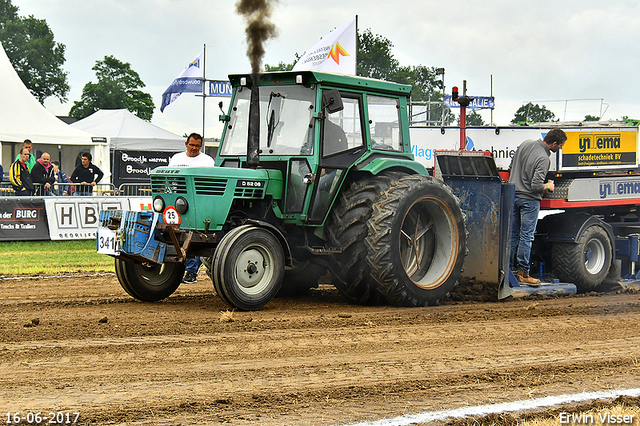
347, 229
585, 263
149, 282
417, 242
248, 267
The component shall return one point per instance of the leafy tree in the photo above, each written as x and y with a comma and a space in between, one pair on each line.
280, 67
530, 113
35, 56
473, 118
117, 87
591, 118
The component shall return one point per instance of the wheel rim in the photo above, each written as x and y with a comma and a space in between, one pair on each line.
254, 269
153, 274
594, 256
428, 242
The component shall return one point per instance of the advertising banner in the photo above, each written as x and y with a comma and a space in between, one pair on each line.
220, 88
136, 166
477, 102
23, 219
599, 148
76, 218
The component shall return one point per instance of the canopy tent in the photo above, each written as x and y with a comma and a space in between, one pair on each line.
23, 117
128, 132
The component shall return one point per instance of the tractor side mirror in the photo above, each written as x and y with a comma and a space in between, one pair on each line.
332, 101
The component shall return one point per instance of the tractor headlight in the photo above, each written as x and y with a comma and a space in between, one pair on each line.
181, 205
158, 204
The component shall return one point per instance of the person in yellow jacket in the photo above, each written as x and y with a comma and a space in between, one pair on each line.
19, 175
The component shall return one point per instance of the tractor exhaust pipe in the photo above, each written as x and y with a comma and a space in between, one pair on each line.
253, 139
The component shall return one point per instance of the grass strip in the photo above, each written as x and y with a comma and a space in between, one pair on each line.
51, 257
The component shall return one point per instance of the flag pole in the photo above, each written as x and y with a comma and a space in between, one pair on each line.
204, 96
356, 54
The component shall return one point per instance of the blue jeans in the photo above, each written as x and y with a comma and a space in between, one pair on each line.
193, 264
523, 227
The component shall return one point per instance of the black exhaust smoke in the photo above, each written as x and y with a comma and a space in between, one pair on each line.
259, 29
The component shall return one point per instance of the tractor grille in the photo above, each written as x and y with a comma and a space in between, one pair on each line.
168, 184
210, 186
249, 193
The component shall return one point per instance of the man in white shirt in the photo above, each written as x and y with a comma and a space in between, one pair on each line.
194, 158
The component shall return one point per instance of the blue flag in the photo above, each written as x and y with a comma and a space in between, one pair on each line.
190, 81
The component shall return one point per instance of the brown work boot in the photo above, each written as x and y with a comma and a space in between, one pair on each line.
524, 278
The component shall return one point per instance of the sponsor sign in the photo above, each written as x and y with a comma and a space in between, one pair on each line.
477, 102
220, 88
23, 219
136, 166
603, 189
76, 218
599, 148
608, 148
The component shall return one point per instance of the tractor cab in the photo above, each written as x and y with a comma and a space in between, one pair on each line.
312, 127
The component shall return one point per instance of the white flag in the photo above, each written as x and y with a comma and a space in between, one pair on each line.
336, 52
189, 80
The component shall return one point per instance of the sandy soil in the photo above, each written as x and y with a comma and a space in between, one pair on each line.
81, 344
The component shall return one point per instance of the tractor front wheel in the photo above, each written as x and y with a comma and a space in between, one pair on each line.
248, 267
149, 282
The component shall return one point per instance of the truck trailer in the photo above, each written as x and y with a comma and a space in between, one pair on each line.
590, 226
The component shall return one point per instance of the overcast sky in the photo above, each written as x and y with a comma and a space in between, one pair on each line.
584, 52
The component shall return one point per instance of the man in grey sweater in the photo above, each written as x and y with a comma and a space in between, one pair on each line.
529, 168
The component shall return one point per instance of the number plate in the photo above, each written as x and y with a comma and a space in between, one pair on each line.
250, 184
108, 242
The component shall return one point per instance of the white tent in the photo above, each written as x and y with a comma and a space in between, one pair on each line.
128, 132
23, 117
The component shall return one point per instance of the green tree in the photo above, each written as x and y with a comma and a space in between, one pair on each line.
591, 118
473, 118
280, 67
117, 87
34, 54
531, 113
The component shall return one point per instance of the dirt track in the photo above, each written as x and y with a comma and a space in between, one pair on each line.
83, 345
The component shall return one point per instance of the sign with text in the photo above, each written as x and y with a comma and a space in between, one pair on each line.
585, 149
76, 218
136, 166
477, 102
23, 219
220, 88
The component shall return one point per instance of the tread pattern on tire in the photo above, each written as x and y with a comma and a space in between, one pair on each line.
347, 228
568, 260
391, 278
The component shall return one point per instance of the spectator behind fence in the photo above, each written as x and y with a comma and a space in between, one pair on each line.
1, 173
87, 175
32, 158
61, 177
19, 175
42, 175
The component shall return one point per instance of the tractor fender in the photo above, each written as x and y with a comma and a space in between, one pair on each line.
278, 234
569, 227
377, 163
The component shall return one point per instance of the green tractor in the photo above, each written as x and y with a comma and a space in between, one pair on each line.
314, 174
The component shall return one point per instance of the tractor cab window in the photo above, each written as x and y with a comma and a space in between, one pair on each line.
341, 130
384, 123
286, 123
